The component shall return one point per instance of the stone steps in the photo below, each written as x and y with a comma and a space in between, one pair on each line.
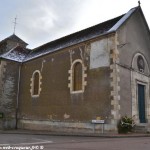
141, 128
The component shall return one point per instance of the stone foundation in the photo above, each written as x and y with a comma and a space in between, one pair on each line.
71, 127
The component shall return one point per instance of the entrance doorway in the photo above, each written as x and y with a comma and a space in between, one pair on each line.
141, 103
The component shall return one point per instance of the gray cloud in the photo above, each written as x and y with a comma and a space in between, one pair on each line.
47, 19
40, 21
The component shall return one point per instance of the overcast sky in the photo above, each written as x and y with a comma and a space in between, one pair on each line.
41, 21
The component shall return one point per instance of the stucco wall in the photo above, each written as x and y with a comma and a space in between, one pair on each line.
125, 93
133, 37
55, 102
8, 92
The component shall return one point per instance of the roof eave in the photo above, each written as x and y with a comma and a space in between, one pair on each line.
49, 52
4, 56
10, 59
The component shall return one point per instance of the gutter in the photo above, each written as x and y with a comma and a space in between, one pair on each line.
18, 93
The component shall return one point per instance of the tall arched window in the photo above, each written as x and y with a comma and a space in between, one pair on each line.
35, 91
36, 83
77, 77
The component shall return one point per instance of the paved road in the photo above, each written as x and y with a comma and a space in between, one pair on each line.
47, 142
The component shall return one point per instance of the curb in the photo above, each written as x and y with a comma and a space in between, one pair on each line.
130, 135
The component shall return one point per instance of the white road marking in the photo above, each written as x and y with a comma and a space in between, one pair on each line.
34, 143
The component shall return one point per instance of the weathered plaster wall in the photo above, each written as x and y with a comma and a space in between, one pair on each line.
8, 92
3, 47
99, 55
125, 93
55, 102
133, 37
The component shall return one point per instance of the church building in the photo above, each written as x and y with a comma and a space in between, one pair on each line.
99, 73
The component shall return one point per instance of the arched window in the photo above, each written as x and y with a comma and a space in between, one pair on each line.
77, 76
140, 64
36, 83
35, 91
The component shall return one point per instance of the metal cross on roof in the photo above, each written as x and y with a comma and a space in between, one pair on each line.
139, 2
15, 23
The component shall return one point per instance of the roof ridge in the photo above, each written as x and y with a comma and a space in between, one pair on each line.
11, 36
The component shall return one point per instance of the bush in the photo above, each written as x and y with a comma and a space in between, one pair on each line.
125, 125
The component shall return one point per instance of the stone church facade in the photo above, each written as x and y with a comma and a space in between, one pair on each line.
98, 73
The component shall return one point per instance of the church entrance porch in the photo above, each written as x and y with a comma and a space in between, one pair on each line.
140, 99
140, 103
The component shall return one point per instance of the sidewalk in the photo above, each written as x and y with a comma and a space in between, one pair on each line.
105, 135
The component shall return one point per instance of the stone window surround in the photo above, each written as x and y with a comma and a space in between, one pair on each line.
71, 72
145, 61
32, 83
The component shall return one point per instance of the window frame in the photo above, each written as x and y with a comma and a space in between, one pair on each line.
39, 84
71, 77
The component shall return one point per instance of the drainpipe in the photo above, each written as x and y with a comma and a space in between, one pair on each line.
18, 92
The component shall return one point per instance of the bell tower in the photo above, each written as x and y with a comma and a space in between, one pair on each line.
11, 42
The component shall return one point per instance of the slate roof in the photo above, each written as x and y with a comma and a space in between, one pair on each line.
73, 39
17, 54
15, 38
104, 28
81, 36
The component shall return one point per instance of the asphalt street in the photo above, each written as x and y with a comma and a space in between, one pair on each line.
47, 142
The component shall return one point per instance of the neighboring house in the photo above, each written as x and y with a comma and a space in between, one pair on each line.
101, 72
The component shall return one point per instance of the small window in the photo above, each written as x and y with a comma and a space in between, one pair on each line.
77, 77
35, 90
36, 83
